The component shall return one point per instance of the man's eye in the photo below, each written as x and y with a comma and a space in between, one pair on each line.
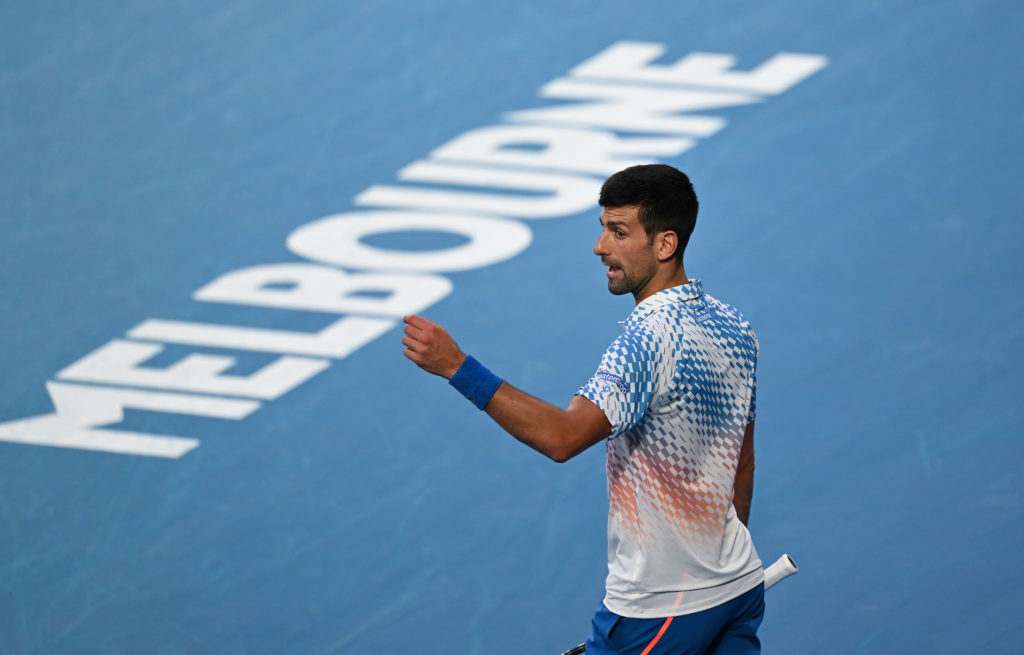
620, 233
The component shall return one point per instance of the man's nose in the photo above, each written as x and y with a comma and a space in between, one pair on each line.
600, 247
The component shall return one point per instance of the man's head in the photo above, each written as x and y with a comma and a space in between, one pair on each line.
664, 195
649, 214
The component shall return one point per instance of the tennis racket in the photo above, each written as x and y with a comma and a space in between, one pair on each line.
782, 568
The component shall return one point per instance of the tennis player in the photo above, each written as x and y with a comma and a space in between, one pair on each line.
674, 400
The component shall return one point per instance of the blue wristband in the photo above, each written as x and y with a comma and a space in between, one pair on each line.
475, 382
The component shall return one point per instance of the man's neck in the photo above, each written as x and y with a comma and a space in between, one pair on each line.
666, 278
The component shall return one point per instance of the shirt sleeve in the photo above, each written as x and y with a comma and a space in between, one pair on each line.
624, 382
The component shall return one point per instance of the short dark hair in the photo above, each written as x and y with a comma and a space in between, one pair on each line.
664, 194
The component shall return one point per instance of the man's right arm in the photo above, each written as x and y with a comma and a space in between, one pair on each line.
557, 433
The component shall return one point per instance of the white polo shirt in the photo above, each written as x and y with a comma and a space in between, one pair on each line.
679, 389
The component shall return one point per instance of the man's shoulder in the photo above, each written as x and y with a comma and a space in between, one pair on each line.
728, 311
636, 336
732, 321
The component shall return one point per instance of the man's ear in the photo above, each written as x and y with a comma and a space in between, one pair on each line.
665, 245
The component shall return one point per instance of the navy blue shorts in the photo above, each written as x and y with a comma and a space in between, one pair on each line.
729, 629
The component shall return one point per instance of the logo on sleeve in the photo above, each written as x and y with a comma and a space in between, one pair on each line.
612, 379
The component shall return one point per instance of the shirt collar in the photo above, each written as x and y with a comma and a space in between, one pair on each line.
683, 293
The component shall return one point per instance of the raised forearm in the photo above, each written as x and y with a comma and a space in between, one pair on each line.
557, 433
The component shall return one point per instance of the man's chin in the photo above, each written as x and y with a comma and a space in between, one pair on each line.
618, 289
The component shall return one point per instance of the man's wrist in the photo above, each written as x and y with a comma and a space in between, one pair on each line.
474, 381
455, 370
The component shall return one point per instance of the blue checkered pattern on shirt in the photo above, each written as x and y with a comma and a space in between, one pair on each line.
678, 387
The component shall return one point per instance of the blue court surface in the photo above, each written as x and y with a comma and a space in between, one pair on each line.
214, 215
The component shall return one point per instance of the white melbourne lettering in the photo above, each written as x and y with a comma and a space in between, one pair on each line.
546, 147
336, 240
318, 288
631, 108
83, 409
118, 362
560, 194
338, 340
541, 163
631, 62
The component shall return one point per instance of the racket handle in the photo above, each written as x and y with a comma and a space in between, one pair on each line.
782, 568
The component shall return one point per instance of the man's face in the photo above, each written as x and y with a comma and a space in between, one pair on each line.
626, 250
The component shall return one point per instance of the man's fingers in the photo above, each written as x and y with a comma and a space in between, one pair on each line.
415, 332
414, 357
417, 321
417, 358
429, 346
424, 331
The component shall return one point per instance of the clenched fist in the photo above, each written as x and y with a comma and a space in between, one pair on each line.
430, 347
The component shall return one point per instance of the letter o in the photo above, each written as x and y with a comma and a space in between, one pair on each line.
335, 240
